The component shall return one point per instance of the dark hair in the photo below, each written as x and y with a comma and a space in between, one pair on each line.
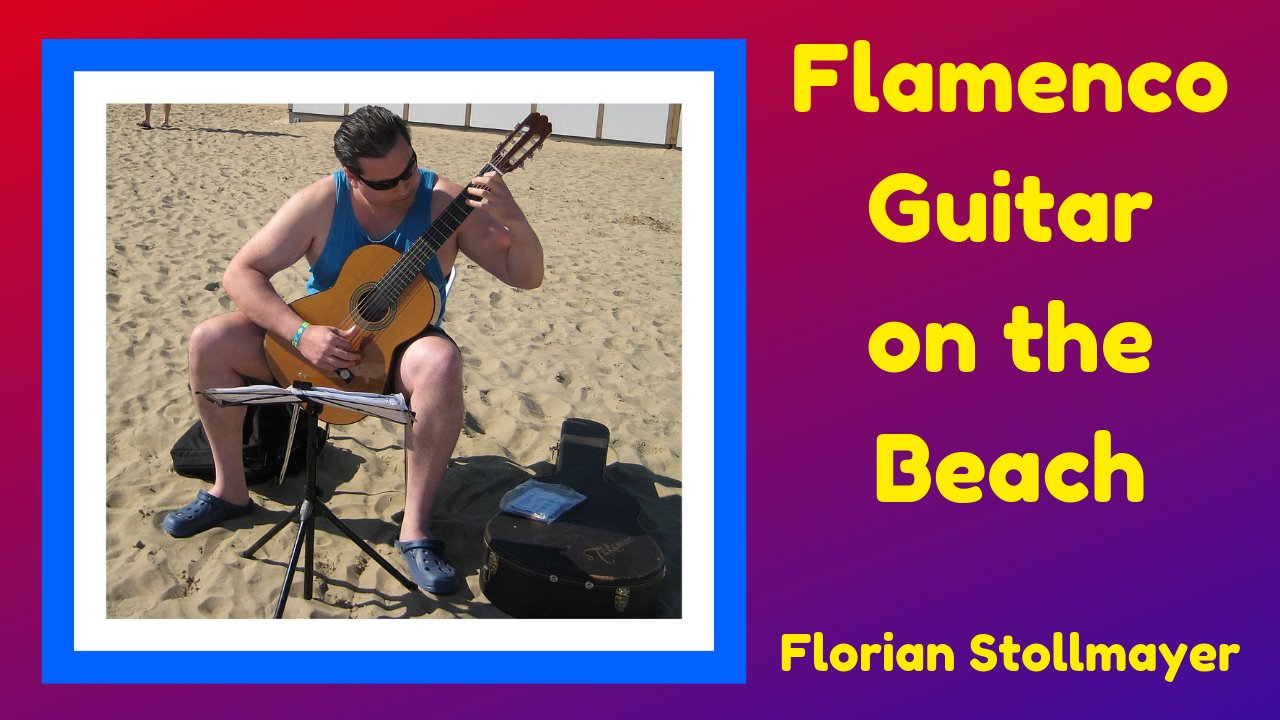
368, 132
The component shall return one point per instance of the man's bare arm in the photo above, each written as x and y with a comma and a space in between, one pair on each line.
286, 238
498, 236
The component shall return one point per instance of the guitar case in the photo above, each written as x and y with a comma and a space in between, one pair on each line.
594, 561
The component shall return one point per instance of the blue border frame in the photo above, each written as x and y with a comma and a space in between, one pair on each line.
725, 58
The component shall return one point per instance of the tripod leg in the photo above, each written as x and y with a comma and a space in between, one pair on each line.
293, 514
309, 572
325, 511
312, 493
306, 524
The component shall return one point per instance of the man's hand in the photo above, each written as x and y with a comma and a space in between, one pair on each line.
491, 193
328, 348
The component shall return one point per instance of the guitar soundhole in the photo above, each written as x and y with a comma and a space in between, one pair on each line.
371, 309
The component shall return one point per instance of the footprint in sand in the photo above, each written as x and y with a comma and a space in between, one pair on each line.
531, 406
470, 425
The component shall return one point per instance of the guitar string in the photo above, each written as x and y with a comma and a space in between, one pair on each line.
391, 287
403, 272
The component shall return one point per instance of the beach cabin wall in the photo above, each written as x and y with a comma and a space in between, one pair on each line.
654, 124
455, 115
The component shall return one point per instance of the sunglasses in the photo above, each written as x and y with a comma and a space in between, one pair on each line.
409, 170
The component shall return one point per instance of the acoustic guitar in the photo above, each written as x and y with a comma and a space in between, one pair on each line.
384, 295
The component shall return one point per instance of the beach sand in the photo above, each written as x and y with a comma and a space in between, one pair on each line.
601, 339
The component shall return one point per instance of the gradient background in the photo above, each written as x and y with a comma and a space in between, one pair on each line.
1193, 562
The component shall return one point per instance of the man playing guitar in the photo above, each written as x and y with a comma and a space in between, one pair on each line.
379, 197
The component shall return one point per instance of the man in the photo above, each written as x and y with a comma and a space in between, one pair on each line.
379, 196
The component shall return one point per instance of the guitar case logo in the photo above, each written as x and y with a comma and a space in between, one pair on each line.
604, 552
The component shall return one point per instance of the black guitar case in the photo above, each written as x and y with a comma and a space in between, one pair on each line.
594, 561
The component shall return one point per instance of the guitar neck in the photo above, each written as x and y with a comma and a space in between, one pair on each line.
415, 260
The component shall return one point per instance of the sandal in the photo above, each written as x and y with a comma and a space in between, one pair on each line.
206, 511
428, 566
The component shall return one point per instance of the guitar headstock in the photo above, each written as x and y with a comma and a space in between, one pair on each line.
520, 144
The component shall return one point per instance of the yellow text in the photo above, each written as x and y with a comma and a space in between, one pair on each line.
1041, 87
912, 657
900, 213
958, 474
1067, 653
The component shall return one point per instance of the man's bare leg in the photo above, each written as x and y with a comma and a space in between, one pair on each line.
430, 375
223, 352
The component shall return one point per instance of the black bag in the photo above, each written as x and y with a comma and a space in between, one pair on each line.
266, 432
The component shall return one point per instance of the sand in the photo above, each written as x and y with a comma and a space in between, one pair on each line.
601, 339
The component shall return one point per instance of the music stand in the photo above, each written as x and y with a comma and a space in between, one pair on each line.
309, 402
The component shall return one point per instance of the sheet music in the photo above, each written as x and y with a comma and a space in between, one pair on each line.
389, 407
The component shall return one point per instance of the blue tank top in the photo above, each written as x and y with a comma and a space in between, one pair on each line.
346, 236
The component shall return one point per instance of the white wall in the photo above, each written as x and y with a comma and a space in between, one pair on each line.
319, 108
439, 114
397, 109
498, 117
622, 122
572, 120
636, 123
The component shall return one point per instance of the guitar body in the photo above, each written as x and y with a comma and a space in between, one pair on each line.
339, 307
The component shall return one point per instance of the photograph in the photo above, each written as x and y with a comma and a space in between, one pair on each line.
462, 324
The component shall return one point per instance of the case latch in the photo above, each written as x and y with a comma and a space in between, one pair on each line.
491, 568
